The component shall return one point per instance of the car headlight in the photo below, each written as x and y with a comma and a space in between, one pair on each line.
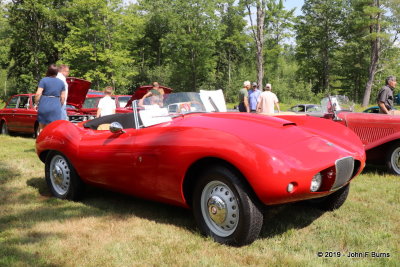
316, 182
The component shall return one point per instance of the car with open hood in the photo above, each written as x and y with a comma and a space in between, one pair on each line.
19, 114
92, 101
379, 133
123, 103
184, 149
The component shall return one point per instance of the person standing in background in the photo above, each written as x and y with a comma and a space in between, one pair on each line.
385, 96
156, 95
244, 97
254, 93
49, 98
106, 104
267, 100
63, 71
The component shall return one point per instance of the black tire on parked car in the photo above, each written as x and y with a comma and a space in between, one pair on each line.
393, 158
333, 201
224, 209
62, 178
36, 130
4, 128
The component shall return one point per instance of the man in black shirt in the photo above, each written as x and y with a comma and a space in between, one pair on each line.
385, 96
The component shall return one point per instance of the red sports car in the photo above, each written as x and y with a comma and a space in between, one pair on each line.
225, 166
379, 133
19, 115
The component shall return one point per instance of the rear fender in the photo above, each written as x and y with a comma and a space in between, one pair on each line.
62, 136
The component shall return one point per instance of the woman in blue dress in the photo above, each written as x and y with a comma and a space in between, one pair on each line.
49, 97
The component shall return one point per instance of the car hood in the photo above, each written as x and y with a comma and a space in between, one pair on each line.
142, 90
77, 90
276, 132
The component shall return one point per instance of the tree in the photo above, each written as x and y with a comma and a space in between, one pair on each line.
96, 47
232, 49
317, 41
279, 24
35, 27
5, 42
258, 35
375, 13
191, 43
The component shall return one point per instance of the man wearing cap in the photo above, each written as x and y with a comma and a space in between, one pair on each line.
267, 100
254, 93
244, 97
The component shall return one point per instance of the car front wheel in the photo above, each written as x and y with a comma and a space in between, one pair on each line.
224, 209
62, 178
4, 128
393, 159
333, 201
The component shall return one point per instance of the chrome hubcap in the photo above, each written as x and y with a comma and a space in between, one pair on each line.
60, 174
217, 209
395, 160
220, 209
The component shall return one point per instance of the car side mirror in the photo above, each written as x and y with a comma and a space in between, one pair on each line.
116, 127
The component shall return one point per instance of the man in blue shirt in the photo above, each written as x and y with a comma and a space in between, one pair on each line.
254, 93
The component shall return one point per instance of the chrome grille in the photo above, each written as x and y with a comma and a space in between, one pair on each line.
344, 171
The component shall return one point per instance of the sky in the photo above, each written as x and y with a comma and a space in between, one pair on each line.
289, 4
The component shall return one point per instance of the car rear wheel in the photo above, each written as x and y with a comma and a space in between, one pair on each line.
393, 159
4, 128
62, 178
333, 201
224, 210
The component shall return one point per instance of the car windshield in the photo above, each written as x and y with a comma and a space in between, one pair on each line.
334, 103
123, 100
92, 102
155, 108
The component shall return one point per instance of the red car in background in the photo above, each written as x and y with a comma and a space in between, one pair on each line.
379, 133
19, 115
92, 101
139, 93
122, 102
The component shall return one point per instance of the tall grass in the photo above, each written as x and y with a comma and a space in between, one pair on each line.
109, 229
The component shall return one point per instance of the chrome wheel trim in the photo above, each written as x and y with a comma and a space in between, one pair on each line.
60, 175
395, 160
219, 208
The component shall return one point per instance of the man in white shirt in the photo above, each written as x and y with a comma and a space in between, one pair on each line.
63, 71
267, 100
106, 104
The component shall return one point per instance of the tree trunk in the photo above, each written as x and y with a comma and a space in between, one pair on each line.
375, 49
258, 37
260, 42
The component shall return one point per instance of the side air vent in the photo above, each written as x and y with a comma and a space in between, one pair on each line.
344, 171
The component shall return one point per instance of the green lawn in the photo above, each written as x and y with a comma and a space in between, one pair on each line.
109, 229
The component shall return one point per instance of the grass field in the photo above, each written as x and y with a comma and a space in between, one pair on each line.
109, 229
